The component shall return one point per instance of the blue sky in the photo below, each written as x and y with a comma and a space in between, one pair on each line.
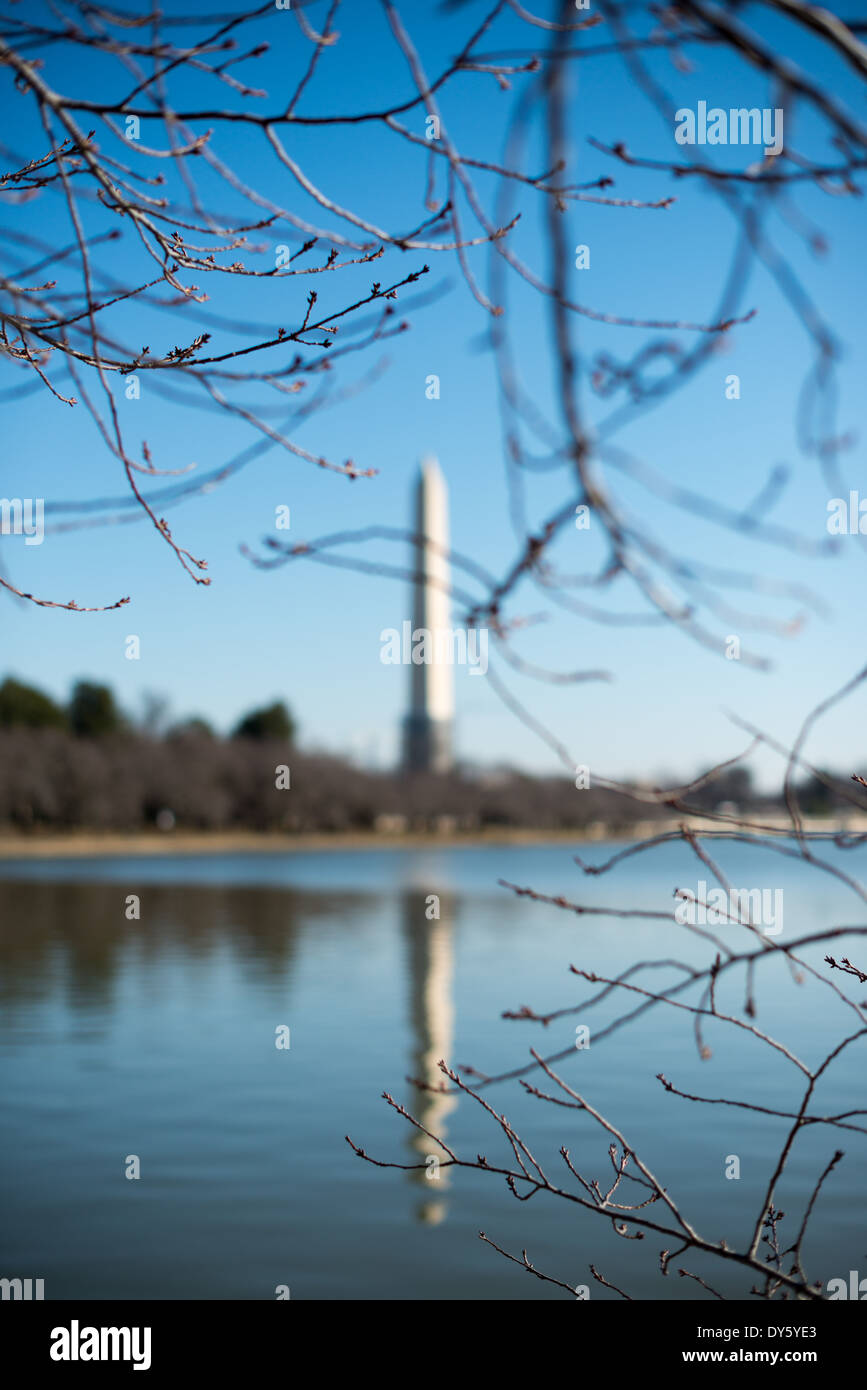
310, 634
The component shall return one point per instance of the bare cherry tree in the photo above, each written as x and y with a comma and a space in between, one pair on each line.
632, 1198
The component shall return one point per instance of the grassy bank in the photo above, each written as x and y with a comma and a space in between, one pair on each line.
98, 844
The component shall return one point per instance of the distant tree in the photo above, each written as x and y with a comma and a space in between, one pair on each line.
24, 706
734, 784
195, 727
820, 794
273, 721
92, 711
154, 718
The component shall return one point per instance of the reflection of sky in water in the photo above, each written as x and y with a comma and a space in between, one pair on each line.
157, 1038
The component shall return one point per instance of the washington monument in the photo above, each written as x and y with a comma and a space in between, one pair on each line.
428, 728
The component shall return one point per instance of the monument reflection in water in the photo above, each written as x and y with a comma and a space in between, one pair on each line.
430, 969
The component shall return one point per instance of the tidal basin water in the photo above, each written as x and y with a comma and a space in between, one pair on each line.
156, 1038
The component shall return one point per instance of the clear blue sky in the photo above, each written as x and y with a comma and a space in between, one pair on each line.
311, 635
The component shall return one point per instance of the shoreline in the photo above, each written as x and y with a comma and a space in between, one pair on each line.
155, 844
112, 844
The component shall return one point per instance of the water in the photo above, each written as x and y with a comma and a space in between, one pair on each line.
156, 1038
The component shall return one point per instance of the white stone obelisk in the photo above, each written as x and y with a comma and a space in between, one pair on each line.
428, 731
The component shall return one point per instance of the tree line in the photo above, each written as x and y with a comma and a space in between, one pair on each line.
93, 712
85, 764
